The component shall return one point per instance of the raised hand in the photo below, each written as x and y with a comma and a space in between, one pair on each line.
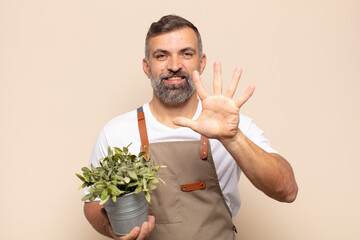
219, 118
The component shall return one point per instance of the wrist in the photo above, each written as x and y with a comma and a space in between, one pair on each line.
228, 143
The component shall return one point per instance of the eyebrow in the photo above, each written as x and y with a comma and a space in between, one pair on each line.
159, 51
181, 50
188, 49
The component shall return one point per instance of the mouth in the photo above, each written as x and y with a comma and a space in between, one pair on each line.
174, 79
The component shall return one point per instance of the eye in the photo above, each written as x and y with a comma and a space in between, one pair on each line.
188, 54
160, 56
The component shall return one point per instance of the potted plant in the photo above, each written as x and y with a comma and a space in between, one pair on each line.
126, 179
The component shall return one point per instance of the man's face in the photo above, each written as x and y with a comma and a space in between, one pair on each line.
173, 56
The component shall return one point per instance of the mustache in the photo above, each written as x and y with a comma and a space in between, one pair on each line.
179, 73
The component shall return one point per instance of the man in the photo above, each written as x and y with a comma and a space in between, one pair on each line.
203, 140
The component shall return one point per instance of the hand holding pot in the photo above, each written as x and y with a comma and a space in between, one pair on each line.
137, 233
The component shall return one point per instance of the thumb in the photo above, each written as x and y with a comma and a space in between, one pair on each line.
184, 122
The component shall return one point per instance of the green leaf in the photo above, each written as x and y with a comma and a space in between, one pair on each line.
104, 194
105, 200
93, 167
129, 145
87, 178
114, 191
86, 197
110, 151
141, 154
109, 173
133, 184
114, 198
138, 189
100, 185
153, 180
144, 184
151, 187
81, 177
92, 179
118, 151
82, 186
125, 150
149, 174
101, 162
147, 196
114, 178
162, 181
133, 175
85, 169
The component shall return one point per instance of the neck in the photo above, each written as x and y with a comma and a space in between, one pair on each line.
165, 113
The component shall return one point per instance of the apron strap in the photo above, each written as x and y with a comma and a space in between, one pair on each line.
204, 141
204, 146
143, 132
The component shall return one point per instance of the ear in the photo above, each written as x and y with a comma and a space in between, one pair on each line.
202, 63
146, 67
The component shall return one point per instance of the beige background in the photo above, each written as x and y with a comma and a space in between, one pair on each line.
67, 67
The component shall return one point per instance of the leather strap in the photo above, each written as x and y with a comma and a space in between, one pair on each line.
143, 132
204, 146
204, 141
193, 186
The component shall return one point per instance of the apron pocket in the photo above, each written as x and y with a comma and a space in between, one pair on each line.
165, 202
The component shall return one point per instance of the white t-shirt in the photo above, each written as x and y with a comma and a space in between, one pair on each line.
123, 130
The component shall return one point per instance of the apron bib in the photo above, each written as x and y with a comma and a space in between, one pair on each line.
191, 204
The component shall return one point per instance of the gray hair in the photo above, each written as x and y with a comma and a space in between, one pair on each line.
167, 24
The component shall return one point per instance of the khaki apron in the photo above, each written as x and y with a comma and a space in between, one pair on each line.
191, 204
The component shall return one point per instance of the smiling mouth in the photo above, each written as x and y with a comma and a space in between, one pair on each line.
174, 79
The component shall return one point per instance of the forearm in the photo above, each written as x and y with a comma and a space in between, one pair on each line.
268, 172
97, 217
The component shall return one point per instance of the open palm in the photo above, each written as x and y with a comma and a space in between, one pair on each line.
220, 113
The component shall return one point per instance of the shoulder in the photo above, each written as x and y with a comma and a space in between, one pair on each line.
121, 121
122, 130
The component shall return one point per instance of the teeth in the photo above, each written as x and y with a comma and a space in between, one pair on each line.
175, 78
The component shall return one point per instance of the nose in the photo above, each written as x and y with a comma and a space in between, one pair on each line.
174, 64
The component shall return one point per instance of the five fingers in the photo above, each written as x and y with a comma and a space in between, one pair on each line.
217, 84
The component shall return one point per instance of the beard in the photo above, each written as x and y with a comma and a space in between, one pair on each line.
173, 93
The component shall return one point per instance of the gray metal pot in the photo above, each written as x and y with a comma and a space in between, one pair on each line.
129, 211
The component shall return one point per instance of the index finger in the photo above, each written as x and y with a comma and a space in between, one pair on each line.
248, 93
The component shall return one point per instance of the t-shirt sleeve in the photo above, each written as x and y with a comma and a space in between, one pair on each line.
256, 135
